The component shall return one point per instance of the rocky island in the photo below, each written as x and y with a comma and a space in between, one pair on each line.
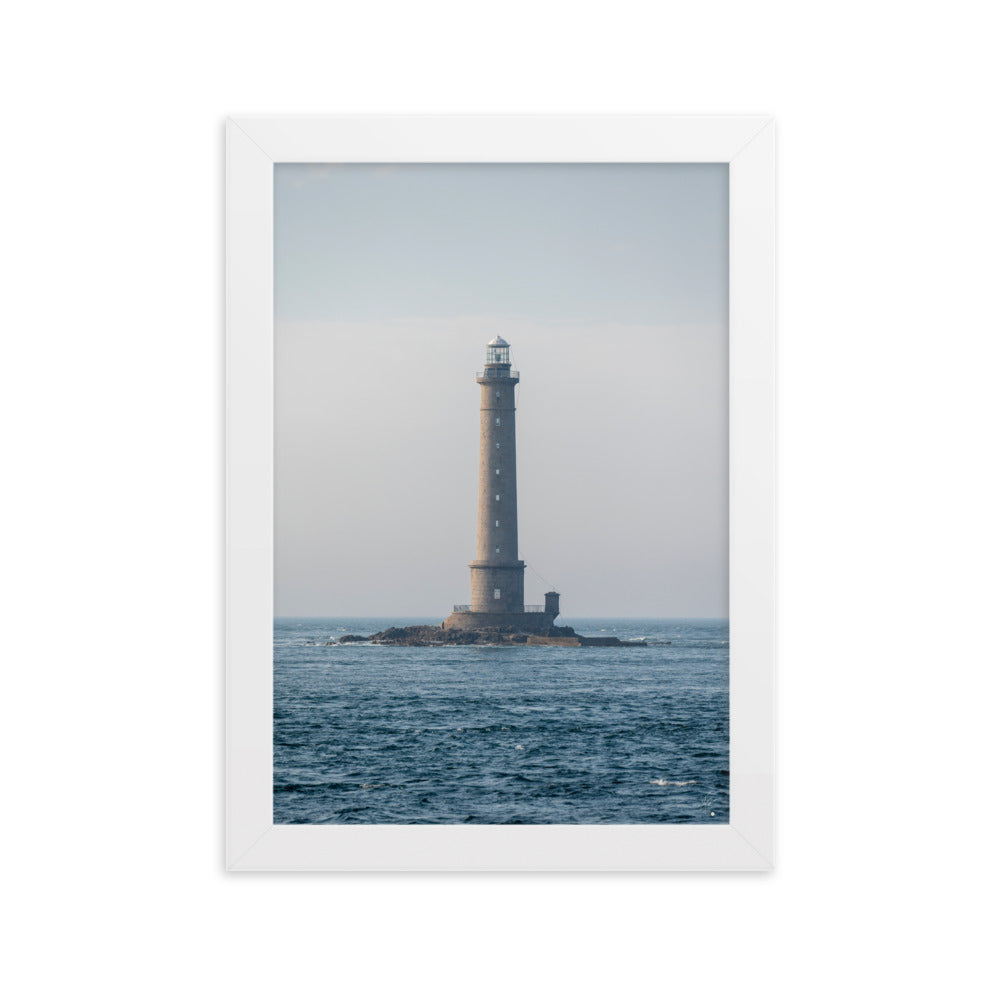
497, 635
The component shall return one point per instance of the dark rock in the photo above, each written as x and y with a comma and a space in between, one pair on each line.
497, 635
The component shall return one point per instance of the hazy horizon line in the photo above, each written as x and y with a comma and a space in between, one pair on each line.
688, 618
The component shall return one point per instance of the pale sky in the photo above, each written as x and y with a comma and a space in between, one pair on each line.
611, 284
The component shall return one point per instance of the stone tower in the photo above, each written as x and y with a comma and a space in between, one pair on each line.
497, 572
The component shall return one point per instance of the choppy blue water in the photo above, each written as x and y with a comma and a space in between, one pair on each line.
470, 734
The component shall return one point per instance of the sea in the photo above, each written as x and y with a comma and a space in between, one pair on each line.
502, 734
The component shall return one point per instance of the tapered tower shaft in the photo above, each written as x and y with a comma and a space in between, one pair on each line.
497, 573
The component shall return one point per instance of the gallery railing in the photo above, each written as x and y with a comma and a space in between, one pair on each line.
529, 609
498, 373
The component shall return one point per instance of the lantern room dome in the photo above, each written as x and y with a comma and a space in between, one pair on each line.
498, 342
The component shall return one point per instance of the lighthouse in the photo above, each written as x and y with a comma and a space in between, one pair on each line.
497, 571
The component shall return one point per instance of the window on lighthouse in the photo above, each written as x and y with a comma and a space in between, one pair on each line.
498, 445
496, 593
498, 421
497, 497
498, 472
498, 548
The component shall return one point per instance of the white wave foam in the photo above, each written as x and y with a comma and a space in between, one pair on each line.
662, 782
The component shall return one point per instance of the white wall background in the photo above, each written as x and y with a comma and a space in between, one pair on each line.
111, 407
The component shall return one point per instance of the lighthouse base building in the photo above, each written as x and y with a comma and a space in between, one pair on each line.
497, 572
533, 618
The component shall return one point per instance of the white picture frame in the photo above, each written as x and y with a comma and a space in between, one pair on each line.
253, 146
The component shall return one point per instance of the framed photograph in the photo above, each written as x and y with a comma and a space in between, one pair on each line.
500, 493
